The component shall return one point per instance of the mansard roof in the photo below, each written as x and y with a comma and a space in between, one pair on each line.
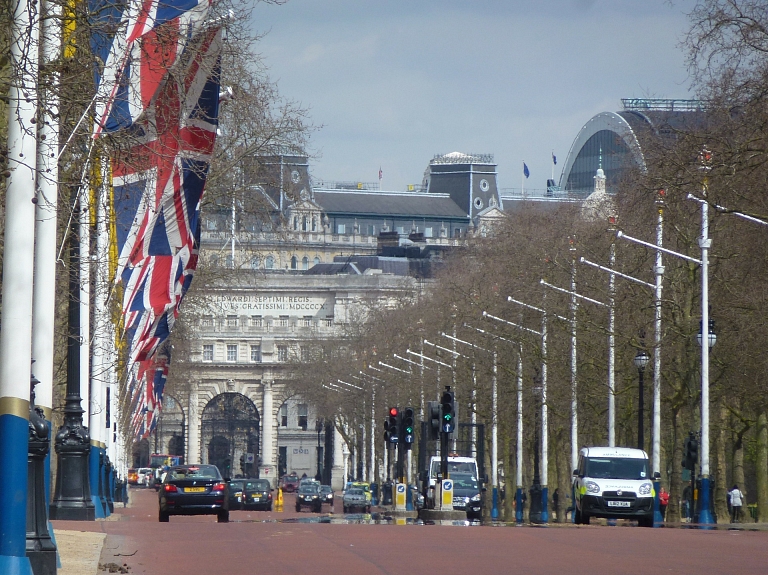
388, 204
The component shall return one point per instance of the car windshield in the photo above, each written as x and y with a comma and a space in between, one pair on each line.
355, 492
464, 481
236, 484
364, 487
290, 479
261, 485
454, 467
326, 489
616, 468
308, 489
201, 472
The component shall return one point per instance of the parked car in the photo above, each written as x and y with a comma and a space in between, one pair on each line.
194, 490
289, 483
308, 495
326, 495
354, 498
236, 494
133, 476
257, 494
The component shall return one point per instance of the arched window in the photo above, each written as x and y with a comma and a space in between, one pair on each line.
255, 263
314, 224
317, 260
305, 263
295, 222
294, 262
304, 222
270, 263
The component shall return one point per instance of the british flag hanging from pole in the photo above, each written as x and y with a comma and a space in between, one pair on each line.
158, 184
135, 44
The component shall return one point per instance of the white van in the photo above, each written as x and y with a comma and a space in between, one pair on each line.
613, 482
456, 464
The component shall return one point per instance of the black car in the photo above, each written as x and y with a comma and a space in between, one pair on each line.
257, 494
194, 490
308, 495
326, 495
467, 495
236, 494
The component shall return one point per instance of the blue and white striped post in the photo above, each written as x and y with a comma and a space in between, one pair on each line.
18, 258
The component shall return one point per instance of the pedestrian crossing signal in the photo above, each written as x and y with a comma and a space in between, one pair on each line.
448, 411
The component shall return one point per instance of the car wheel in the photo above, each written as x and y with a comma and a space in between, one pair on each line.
270, 507
298, 508
585, 518
345, 509
222, 517
577, 516
163, 516
318, 508
368, 509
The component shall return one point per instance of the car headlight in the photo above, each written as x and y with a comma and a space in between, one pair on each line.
645, 489
476, 498
592, 487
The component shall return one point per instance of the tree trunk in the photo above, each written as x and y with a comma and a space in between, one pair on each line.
721, 477
762, 468
738, 464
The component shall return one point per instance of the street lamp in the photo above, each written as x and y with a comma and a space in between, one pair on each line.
711, 335
641, 361
319, 429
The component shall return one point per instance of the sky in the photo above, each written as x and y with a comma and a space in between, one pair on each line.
392, 83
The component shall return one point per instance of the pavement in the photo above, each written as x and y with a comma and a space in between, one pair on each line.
128, 546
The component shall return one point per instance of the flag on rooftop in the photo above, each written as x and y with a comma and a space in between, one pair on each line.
526, 172
554, 159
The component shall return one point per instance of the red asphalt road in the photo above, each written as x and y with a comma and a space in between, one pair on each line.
258, 542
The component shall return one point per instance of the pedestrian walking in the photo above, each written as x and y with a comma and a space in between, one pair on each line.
736, 499
663, 502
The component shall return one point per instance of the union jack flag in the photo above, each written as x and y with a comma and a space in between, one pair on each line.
136, 43
158, 183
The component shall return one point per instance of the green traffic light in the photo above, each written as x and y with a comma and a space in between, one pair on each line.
447, 417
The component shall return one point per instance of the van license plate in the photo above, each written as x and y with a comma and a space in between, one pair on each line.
619, 504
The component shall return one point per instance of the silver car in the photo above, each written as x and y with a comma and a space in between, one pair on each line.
354, 498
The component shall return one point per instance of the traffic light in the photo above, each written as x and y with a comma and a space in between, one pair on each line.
386, 429
408, 427
691, 452
448, 412
393, 425
433, 414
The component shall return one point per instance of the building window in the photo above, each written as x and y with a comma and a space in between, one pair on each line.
231, 321
400, 230
256, 321
283, 415
231, 352
305, 263
341, 229
304, 224
211, 224
270, 263
282, 321
294, 262
255, 263
282, 353
302, 408
304, 354
230, 262
206, 321
306, 321
295, 222
314, 224
427, 232
328, 321
256, 353
371, 230
208, 352
317, 260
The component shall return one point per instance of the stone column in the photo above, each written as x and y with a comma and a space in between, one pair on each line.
193, 428
268, 468
340, 451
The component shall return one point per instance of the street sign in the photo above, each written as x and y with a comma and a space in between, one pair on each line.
249, 457
446, 499
400, 497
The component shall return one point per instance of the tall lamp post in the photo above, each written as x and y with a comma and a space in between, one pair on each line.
641, 361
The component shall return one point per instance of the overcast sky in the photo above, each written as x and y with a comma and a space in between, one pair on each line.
394, 82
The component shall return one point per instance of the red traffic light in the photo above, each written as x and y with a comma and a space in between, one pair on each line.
393, 411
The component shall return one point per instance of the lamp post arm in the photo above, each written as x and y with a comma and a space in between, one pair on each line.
429, 359
533, 331
405, 359
484, 332
472, 345
394, 368
350, 384
615, 273
371, 376
455, 353
572, 293
621, 234
529, 306
724, 210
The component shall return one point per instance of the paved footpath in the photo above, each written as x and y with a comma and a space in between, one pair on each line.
286, 543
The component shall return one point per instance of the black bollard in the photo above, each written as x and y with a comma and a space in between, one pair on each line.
39, 546
534, 505
110, 485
